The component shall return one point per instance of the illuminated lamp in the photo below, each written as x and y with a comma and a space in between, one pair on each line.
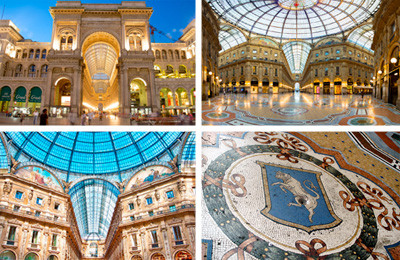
393, 60
380, 72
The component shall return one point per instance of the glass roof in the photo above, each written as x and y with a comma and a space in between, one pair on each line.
296, 54
3, 156
295, 19
362, 36
94, 202
94, 152
230, 37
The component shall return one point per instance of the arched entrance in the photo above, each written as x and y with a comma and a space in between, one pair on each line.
338, 87
52, 257
136, 257
101, 51
5, 98
275, 87
327, 86
350, 86
157, 256
265, 85
31, 256
181, 97
35, 99
139, 101
316, 87
93, 250
183, 255
297, 87
62, 97
9, 255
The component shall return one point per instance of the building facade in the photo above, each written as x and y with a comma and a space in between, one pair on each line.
386, 45
101, 57
149, 215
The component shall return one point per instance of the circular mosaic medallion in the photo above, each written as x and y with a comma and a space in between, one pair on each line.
218, 115
362, 121
289, 111
290, 210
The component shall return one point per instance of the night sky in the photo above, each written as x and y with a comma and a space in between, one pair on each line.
35, 22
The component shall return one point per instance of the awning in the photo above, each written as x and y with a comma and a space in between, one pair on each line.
5, 94
20, 94
36, 95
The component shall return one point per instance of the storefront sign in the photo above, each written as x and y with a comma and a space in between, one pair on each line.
36, 95
5, 94
20, 95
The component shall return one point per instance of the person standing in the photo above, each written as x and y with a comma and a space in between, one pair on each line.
35, 117
83, 118
90, 117
44, 118
72, 118
22, 118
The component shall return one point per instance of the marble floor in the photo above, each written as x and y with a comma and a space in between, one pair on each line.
297, 109
311, 195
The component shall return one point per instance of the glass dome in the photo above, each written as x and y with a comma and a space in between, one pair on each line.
362, 36
295, 19
93, 152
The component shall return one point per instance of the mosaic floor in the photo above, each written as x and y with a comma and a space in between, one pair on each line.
298, 109
301, 196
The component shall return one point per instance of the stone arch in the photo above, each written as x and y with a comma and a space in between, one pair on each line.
95, 36
138, 91
177, 253
31, 254
7, 251
157, 256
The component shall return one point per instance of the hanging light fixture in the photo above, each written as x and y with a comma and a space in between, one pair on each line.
380, 72
393, 60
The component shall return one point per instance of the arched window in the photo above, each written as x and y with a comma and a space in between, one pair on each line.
37, 54
63, 44
25, 54
182, 69
44, 54
31, 54
170, 69
18, 70
43, 73
32, 71
164, 54
158, 56
70, 42
183, 55
19, 54
177, 55
93, 250
170, 54
135, 42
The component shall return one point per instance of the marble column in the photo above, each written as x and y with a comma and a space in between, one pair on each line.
166, 243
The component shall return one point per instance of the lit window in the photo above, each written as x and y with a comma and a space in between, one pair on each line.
276, 55
265, 53
316, 54
170, 194
326, 53
243, 52
337, 51
149, 201
131, 206
350, 52
254, 51
18, 195
39, 201
172, 208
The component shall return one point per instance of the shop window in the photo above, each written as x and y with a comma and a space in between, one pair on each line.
18, 195
131, 206
177, 235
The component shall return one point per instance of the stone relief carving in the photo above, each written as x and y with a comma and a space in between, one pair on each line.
173, 164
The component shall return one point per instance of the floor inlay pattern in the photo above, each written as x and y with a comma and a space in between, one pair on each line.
295, 196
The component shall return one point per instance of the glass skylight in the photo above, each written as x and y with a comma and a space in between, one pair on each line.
230, 37
282, 19
296, 54
362, 36
93, 152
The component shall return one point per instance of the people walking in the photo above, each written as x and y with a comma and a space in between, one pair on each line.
90, 117
83, 118
72, 118
35, 117
44, 118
